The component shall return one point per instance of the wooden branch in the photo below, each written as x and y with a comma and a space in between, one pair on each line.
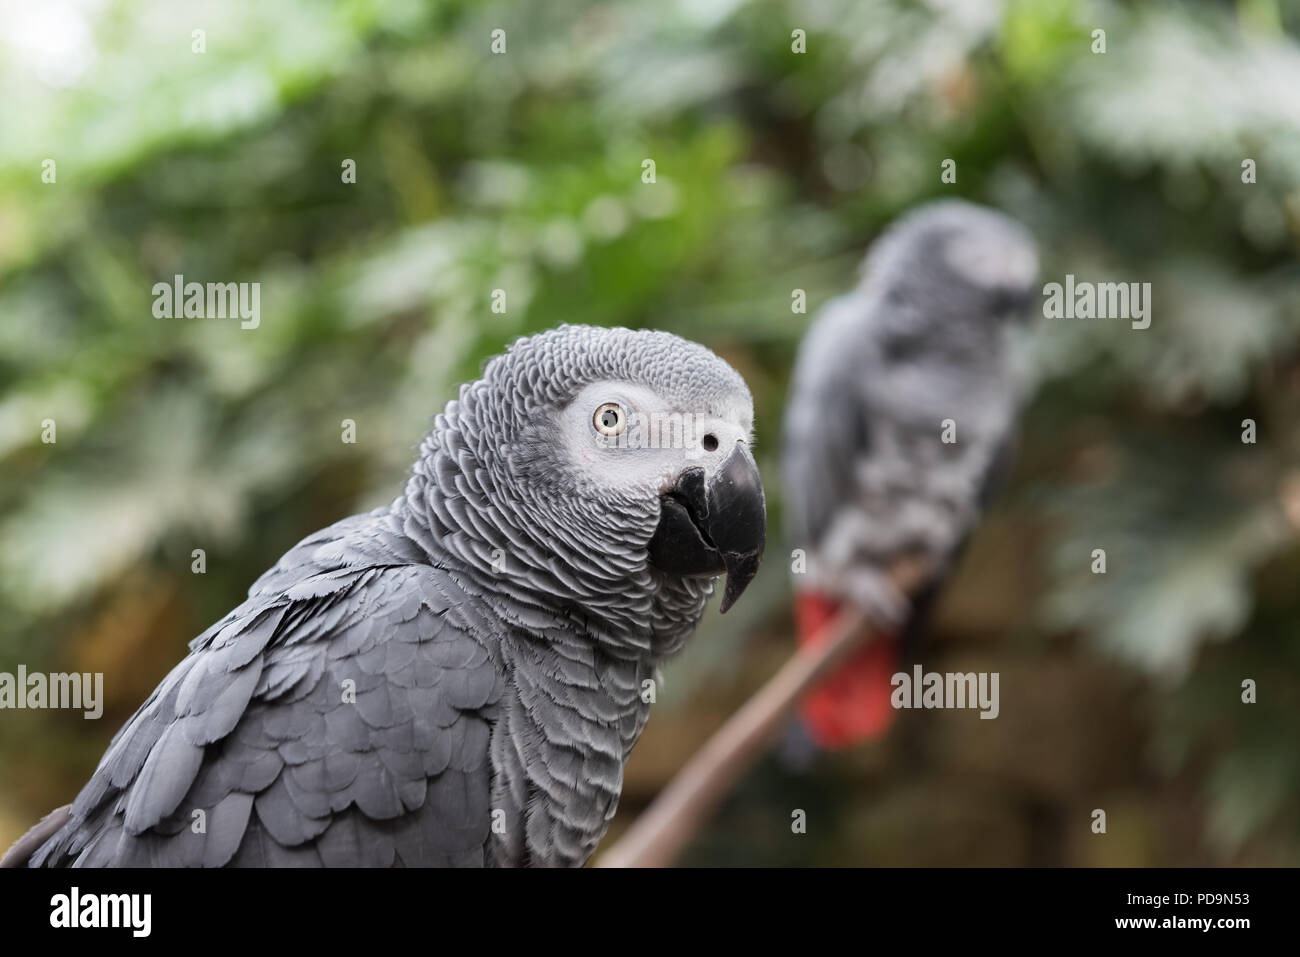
657, 837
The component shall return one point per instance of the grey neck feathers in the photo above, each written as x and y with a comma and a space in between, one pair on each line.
537, 556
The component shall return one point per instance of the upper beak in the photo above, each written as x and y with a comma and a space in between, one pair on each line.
1014, 302
714, 526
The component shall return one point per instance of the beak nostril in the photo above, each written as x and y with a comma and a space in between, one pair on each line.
710, 443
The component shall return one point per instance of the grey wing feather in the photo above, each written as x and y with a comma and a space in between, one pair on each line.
826, 424
336, 718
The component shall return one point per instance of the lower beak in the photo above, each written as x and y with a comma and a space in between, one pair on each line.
714, 525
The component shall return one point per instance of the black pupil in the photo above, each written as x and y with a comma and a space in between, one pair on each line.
609, 418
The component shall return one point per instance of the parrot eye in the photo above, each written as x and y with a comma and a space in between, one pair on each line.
610, 419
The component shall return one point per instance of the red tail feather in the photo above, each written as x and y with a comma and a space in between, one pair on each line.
851, 705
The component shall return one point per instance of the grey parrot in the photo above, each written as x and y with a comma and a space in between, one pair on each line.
456, 678
901, 413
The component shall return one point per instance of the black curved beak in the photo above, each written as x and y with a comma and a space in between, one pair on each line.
1015, 303
708, 528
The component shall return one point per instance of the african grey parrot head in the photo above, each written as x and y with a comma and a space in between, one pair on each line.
607, 468
952, 256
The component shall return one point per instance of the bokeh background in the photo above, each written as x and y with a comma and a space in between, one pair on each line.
775, 170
